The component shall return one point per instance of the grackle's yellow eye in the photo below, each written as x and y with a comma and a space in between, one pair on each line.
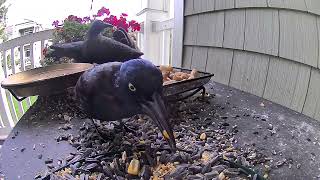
131, 87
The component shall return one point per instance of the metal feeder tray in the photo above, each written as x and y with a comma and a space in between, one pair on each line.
44, 80
174, 91
57, 78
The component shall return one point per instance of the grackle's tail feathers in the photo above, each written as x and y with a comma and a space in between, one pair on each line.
70, 50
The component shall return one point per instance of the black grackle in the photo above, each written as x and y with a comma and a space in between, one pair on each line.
116, 90
97, 48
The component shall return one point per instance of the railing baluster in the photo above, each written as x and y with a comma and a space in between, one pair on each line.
10, 100
42, 47
6, 117
23, 65
165, 47
23, 68
31, 55
13, 67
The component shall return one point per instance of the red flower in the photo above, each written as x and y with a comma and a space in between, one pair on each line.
103, 11
135, 26
112, 20
123, 23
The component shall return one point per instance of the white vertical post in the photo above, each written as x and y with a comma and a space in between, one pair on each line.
165, 47
10, 101
178, 33
32, 55
23, 65
13, 66
4, 108
23, 68
155, 11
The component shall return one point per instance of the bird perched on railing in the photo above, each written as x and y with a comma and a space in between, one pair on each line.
116, 90
97, 48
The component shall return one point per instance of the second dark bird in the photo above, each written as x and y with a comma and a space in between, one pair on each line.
97, 48
116, 90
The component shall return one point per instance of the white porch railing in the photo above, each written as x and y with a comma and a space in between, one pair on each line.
14, 60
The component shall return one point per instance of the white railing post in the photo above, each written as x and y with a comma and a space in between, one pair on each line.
32, 55
178, 33
14, 70
153, 11
4, 108
165, 48
6, 73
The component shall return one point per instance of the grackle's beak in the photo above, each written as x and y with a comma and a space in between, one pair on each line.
156, 110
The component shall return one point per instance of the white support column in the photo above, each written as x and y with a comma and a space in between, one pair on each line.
178, 33
165, 54
153, 11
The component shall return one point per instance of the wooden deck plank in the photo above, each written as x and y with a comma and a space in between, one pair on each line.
249, 72
234, 29
219, 62
297, 37
210, 29
262, 31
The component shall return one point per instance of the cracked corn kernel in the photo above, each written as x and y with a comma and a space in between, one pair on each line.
134, 167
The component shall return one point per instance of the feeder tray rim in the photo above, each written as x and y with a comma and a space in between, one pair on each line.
7, 85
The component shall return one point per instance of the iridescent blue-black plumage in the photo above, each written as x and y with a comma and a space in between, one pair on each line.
116, 90
97, 48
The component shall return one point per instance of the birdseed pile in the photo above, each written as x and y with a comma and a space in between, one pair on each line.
207, 149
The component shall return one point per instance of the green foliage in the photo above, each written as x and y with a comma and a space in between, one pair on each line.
71, 31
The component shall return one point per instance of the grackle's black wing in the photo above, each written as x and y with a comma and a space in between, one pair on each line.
103, 49
70, 50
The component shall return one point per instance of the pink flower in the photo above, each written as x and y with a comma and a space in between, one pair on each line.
122, 22
124, 14
86, 19
103, 11
55, 23
74, 18
111, 20
134, 25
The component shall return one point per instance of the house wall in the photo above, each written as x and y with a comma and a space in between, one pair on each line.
269, 48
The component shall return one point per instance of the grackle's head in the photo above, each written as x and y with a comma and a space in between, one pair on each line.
142, 82
97, 27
